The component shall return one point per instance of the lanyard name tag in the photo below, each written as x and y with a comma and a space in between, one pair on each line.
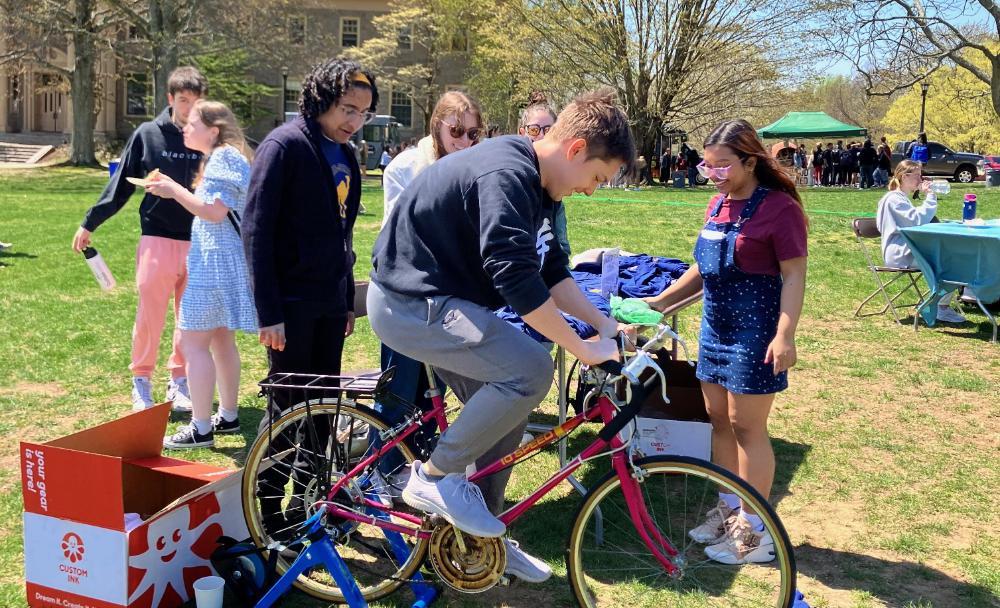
712, 235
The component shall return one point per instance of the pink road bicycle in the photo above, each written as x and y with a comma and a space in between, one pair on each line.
628, 544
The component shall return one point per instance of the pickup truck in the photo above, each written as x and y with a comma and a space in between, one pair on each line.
962, 167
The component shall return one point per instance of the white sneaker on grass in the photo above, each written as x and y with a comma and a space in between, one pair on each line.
716, 524
179, 393
455, 499
142, 394
743, 545
525, 567
945, 314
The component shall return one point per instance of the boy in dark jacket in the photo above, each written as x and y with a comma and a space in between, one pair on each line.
303, 199
161, 259
474, 232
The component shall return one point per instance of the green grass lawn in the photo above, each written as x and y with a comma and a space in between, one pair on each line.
886, 441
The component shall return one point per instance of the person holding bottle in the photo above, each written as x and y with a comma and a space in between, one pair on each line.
161, 256
895, 210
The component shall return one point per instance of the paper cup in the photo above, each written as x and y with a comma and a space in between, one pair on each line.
208, 592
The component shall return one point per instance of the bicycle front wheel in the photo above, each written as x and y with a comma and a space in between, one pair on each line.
610, 563
297, 462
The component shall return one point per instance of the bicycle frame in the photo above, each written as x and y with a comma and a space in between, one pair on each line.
603, 409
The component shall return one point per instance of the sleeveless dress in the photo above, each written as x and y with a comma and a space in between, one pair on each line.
218, 288
741, 311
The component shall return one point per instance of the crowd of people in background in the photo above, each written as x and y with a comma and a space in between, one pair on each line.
847, 165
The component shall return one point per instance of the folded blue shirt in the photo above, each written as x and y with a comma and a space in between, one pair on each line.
639, 276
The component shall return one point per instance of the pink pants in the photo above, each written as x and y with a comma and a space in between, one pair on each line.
160, 271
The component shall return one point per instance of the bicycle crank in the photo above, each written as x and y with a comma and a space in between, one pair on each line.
466, 563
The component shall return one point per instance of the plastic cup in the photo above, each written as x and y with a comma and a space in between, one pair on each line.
208, 592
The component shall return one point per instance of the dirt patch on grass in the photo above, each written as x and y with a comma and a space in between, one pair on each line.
38, 389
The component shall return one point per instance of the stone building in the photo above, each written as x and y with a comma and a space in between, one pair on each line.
35, 104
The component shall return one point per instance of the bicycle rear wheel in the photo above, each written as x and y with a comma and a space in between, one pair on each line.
610, 564
295, 464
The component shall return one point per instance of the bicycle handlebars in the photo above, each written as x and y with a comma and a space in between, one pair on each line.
632, 370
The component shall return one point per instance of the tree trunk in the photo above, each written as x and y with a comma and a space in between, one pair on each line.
82, 84
164, 29
995, 85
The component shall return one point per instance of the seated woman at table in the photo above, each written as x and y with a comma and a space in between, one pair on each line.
895, 211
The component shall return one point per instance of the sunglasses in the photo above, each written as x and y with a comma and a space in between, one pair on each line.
535, 130
458, 131
722, 173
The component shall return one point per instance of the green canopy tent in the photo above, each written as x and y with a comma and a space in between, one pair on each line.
809, 125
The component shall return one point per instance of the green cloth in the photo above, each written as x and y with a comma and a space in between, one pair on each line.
809, 124
633, 310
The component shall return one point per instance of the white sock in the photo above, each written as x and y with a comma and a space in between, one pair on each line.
203, 427
755, 521
227, 414
732, 501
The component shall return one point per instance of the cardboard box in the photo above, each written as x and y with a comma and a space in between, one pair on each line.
660, 437
78, 551
680, 427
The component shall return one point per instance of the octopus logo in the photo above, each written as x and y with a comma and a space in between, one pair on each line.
72, 547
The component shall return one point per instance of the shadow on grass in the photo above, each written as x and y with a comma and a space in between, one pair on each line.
4, 255
895, 583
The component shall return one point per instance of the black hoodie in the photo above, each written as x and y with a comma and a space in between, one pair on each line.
298, 247
156, 144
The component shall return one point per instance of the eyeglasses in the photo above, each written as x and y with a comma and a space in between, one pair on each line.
458, 131
722, 173
535, 130
353, 114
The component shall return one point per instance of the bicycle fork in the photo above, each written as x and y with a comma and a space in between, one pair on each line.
661, 549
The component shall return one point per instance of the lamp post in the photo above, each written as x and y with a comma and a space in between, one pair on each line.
923, 102
284, 92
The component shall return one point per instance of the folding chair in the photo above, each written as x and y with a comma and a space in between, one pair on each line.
866, 229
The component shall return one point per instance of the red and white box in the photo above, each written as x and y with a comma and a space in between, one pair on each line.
78, 551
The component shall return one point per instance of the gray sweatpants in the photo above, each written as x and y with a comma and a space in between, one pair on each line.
498, 373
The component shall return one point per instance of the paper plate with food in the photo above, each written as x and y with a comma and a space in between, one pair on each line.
143, 182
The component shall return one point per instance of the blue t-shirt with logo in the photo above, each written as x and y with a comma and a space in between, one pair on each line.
341, 170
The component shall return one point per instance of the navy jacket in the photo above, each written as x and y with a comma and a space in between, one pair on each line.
297, 246
157, 144
476, 224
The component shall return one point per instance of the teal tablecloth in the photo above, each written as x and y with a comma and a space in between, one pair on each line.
949, 253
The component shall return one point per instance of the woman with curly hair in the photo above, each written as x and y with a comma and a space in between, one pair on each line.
303, 199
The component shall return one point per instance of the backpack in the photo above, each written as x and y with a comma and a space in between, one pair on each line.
846, 157
919, 153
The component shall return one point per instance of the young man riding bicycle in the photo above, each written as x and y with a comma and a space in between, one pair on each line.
474, 232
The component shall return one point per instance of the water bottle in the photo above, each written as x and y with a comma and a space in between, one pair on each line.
940, 187
969, 208
100, 269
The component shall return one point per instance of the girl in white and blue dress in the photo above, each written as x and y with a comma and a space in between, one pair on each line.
217, 301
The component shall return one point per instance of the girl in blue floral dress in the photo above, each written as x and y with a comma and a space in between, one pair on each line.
217, 300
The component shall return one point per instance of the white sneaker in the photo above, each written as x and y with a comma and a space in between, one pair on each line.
744, 545
386, 491
142, 394
525, 567
945, 314
455, 499
179, 393
717, 522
